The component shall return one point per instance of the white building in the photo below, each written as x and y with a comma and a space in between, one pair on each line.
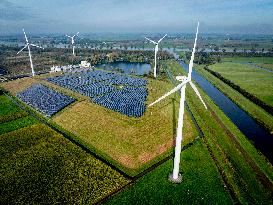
85, 64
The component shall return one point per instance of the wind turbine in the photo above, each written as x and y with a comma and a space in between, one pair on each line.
73, 41
29, 53
156, 50
175, 176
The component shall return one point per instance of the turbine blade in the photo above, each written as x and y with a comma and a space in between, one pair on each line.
193, 52
151, 40
36, 46
198, 94
169, 93
162, 38
21, 49
25, 35
68, 36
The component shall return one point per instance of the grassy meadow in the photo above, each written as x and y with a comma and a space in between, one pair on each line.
201, 183
259, 114
254, 80
255, 60
263, 62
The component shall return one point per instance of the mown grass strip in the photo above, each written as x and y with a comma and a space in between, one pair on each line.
16, 124
12, 116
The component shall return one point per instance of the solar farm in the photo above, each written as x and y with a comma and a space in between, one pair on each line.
120, 93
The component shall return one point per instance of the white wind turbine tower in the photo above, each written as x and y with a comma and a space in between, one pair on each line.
73, 41
175, 176
156, 50
29, 53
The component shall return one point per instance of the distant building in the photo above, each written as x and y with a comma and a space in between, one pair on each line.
85, 64
69, 68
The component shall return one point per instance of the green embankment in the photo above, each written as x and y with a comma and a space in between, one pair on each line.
39, 166
259, 114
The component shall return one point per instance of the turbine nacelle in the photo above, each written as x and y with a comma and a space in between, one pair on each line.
181, 78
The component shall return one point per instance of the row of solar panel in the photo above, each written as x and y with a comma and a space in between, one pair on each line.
44, 99
88, 77
99, 86
124, 102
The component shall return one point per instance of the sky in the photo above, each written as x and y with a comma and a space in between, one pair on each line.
129, 16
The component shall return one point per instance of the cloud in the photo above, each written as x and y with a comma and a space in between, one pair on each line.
12, 12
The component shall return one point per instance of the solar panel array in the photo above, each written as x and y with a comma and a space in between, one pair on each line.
44, 99
117, 92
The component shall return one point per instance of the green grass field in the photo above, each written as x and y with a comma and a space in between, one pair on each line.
266, 66
259, 114
255, 81
255, 60
264, 62
12, 117
39, 166
234, 155
7, 107
201, 183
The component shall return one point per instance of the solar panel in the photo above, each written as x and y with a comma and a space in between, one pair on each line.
44, 99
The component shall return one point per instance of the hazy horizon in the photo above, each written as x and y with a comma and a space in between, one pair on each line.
127, 16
